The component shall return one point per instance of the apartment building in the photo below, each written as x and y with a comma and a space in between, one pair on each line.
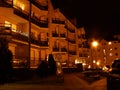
105, 53
35, 29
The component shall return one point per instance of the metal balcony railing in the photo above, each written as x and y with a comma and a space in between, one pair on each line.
6, 3
72, 52
55, 34
58, 21
63, 49
55, 49
41, 23
71, 41
70, 29
24, 14
19, 36
63, 35
18, 11
5, 30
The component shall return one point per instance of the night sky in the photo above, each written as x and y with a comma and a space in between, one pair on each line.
101, 18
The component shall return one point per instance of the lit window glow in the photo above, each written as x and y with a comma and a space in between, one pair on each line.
110, 54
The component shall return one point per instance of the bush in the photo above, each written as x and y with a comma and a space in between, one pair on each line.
52, 64
42, 69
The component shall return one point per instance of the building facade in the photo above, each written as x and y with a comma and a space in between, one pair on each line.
105, 53
35, 29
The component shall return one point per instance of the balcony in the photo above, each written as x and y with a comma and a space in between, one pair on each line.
63, 49
70, 29
72, 52
5, 30
83, 46
55, 49
71, 41
19, 36
40, 23
83, 55
63, 35
54, 34
43, 43
38, 42
18, 11
6, 3
81, 36
58, 21
39, 5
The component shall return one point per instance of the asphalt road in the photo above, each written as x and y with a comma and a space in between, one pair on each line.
73, 81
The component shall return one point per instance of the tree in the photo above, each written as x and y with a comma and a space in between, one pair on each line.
5, 61
52, 64
42, 70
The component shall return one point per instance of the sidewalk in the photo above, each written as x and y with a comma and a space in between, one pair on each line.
37, 80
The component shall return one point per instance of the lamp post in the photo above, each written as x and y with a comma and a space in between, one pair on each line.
94, 58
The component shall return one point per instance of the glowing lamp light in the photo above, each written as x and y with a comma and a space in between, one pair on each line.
98, 63
95, 43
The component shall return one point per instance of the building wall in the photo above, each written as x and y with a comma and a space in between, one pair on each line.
48, 30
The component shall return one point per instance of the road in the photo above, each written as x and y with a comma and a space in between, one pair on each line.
71, 82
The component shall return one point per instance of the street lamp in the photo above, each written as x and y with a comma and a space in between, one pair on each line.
94, 45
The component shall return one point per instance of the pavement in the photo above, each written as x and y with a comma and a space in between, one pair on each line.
71, 81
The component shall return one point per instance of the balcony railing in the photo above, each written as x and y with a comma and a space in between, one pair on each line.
83, 46
83, 55
70, 29
55, 34
41, 23
5, 30
37, 21
55, 49
63, 35
19, 36
58, 21
6, 3
72, 52
71, 40
38, 42
63, 49
18, 11
81, 36
39, 5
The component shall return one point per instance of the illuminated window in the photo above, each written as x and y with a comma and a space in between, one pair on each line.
19, 4
110, 54
110, 49
7, 24
14, 27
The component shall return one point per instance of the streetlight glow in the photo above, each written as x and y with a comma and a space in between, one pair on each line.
95, 43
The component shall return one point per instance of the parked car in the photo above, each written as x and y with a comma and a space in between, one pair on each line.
113, 79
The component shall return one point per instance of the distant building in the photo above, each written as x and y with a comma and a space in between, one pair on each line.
105, 53
37, 29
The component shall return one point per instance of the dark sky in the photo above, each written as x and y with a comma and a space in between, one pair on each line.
101, 18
